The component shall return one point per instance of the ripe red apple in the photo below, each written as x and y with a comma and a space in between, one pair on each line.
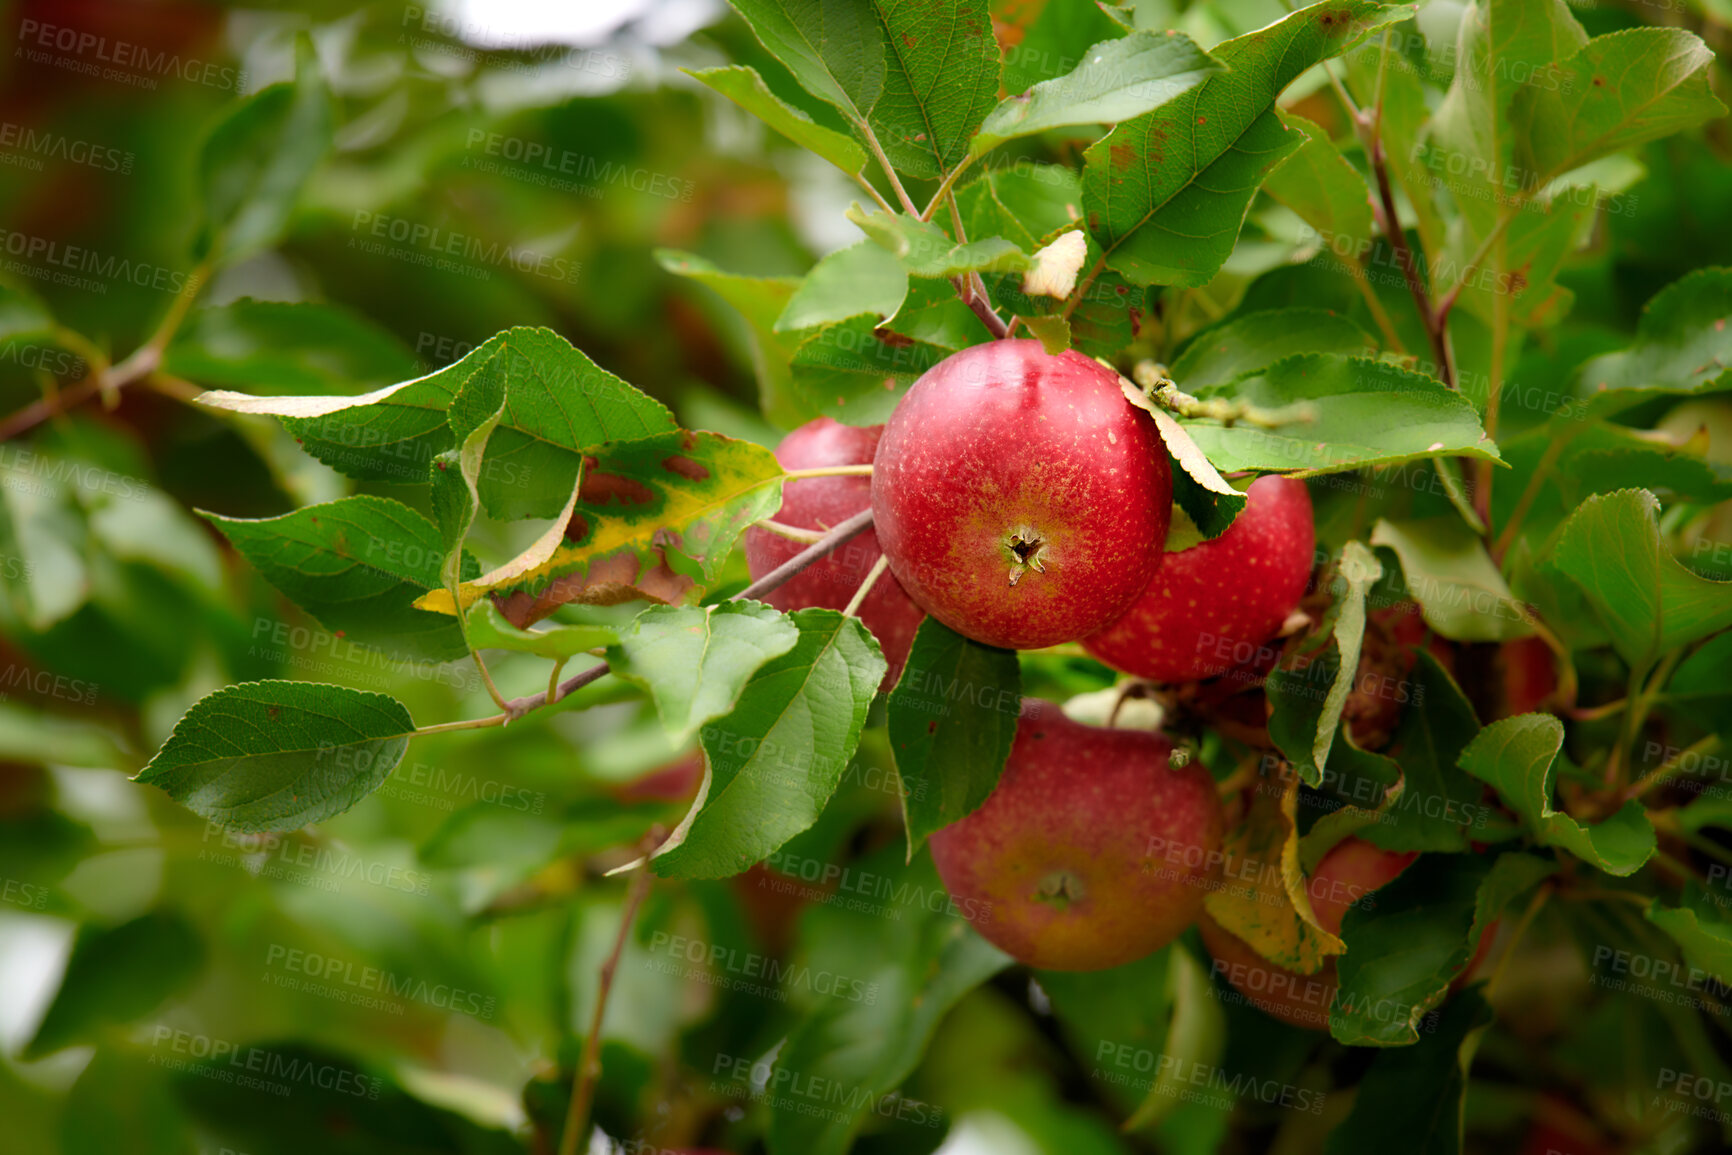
1212, 606
1092, 852
1350, 871
820, 503
1020, 498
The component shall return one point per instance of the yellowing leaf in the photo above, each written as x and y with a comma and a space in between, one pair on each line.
654, 519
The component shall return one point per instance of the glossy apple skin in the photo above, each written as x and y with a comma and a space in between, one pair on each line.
1002, 448
1353, 869
1212, 606
820, 503
1098, 811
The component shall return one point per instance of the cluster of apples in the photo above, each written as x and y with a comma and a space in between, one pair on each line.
1024, 502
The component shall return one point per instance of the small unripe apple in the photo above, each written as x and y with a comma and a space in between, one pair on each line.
1092, 852
820, 503
1019, 497
1350, 871
1212, 606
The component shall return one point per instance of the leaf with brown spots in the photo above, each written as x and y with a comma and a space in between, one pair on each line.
652, 519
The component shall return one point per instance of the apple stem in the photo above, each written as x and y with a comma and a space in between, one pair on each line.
829, 471
1160, 389
791, 532
878, 567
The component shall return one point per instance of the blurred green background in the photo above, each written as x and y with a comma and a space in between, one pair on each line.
415, 975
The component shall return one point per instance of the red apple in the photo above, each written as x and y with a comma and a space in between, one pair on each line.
1350, 871
1212, 606
1020, 498
1092, 852
822, 502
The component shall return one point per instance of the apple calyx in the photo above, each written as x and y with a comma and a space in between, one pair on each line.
1061, 888
1024, 544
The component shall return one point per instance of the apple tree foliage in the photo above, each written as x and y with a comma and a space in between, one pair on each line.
1462, 266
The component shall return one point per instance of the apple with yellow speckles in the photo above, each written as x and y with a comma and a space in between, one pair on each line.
1022, 500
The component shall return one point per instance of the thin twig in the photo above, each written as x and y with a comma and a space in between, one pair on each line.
111, 379
589, 1065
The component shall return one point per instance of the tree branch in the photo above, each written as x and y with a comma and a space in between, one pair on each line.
589, 1065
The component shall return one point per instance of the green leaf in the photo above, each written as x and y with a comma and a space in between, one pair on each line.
862, 279
1116, 80
1505, 47
1053, 333
23, 314
759, 301
488, 630
858, 370
746, 88
279, 755
1206, 498
941, 70
835, 51
1449, 573
1649, 602
850, 1054
455, 479
1194, 1041
1702, 933
1618, 91
258, 157
1440, 802
1683, 345
1412, 1099
926, 250
656, 518
1366, 413
1256, 341
117, 974
283, 347
559, 404
1324, 190
696, 660
1406, 948
357, 565
1165, 193
952, 718
772, 764
1516, 755
1305, 715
